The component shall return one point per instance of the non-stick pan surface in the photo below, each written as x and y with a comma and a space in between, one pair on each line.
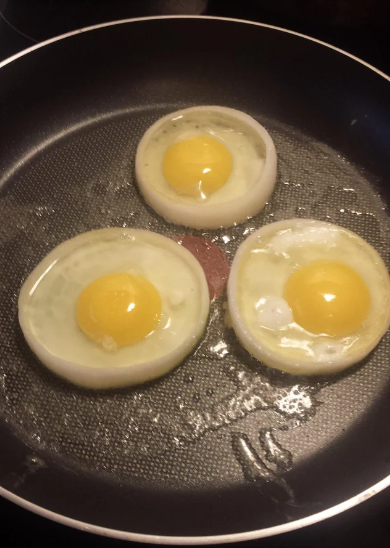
223, 445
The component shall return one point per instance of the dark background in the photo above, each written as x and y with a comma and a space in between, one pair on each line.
361, 27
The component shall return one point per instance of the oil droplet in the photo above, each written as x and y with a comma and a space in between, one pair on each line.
254, 468
220, 349
274, 452
256, 471
34, 463
297, 401
254, 392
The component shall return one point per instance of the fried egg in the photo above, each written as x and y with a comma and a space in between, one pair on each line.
114, 307
206, 167
308, 297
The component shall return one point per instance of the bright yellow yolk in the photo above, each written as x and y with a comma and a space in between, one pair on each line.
328, 297
197, 166
118, 307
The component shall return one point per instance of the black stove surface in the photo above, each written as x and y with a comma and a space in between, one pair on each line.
361, 27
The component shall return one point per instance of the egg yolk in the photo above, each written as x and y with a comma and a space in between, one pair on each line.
328, 297
118, 307
197, 166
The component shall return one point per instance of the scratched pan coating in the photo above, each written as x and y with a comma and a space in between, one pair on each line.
269, 447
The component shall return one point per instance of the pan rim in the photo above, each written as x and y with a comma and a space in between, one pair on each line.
206, 17
210, 539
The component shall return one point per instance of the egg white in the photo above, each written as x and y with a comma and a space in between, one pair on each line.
48, 299
248, 187
261, 317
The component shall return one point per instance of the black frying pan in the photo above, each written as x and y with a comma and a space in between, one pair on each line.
223, 448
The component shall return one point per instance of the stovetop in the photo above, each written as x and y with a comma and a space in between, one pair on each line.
364, 32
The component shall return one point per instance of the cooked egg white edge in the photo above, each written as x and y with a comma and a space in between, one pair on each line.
107, 377
256, 347
222, 215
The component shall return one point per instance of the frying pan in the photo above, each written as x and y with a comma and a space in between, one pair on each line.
222, 449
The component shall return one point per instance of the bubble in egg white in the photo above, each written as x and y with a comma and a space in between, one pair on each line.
325, 351
273, 312
176, 298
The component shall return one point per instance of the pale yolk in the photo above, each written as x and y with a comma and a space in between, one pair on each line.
119, 307
328, 297
198, 166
